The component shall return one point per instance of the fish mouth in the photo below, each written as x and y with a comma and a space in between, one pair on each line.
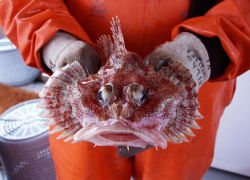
119, 134
119, 137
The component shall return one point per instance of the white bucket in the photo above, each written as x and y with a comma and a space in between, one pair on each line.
13, 70
24, 143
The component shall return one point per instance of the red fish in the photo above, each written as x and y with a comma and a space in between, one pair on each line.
129, 102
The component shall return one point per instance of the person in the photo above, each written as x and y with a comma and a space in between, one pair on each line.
50, 34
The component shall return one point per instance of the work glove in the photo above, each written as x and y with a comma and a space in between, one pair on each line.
64, 49
186, 49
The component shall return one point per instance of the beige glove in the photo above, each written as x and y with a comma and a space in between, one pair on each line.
64, 49
187, 49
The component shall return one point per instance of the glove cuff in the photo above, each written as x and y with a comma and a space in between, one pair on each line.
193, 55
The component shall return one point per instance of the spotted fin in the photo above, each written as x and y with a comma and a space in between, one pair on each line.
108, 46
56, 97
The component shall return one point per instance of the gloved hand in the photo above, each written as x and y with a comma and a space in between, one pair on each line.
64, 49
186, 49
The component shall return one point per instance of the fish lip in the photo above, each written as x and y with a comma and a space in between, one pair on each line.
145, 136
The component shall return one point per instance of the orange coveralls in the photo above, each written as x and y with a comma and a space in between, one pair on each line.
146, 24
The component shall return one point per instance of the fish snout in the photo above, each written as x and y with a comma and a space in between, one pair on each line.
121, 111
117, 109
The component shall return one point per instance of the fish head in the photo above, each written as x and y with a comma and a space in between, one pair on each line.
125, 103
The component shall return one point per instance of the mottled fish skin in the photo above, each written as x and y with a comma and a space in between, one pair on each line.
129, 102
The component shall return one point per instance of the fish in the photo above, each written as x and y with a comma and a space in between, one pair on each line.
128, 102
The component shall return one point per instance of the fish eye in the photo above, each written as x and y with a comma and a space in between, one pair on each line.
139, 94
105, 93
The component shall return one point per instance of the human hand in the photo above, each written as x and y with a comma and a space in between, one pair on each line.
186, 49
64, 49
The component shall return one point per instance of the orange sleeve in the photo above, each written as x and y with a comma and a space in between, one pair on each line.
230, 22
29, 24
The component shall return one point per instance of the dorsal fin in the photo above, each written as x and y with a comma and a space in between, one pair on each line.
117, 35
105, 43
